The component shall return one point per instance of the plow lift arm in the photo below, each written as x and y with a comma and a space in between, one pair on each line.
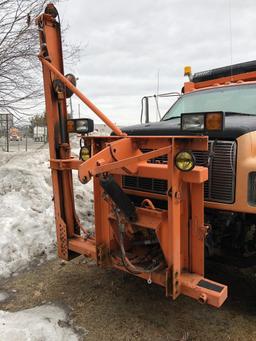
156, 236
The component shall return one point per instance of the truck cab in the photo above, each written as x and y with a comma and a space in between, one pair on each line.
230, 192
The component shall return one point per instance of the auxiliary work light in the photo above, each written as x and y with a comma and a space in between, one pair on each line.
185, 161
80, 125
85, 153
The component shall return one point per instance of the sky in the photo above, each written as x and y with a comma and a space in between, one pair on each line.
136, 48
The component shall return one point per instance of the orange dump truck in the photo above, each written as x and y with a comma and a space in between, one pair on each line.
15, 134
148, 187
230, 192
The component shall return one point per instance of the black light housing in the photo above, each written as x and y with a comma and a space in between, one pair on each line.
202, 122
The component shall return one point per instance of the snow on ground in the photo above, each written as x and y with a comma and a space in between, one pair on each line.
26, 210
3, 296
41, 323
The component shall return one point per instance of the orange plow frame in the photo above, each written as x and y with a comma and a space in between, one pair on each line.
180, 228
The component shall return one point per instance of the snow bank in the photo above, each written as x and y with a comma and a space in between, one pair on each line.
26, 209
27, 224
46, 322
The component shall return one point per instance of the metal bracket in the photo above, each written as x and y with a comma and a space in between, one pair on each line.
120, 154
168, 282
103, 257
65, 164
62, 240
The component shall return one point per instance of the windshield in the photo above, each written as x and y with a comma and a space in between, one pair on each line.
239, 98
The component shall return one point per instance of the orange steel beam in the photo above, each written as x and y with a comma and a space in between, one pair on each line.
59, 148
103, 167
203, 290
83, 98
82, 246
62, 164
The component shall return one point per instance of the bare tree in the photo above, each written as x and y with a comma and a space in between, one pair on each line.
20, 81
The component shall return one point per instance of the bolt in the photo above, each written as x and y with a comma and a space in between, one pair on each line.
202, 298
84, 180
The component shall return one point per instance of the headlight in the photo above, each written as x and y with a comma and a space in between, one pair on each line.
185, 161
192, 122
203, 122
81, 126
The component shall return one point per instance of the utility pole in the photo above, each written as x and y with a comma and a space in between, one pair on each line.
71, 107
7, 133
26, 144
79, 110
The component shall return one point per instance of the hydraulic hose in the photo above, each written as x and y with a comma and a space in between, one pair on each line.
126, 262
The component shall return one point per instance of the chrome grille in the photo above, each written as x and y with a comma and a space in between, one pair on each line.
202, 159
221, 162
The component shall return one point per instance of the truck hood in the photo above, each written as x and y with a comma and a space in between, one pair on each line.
235, 126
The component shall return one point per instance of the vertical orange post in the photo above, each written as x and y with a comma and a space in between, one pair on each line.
197, 231
174, 220
56, 115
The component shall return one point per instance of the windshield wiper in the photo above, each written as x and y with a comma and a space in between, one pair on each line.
229, 113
